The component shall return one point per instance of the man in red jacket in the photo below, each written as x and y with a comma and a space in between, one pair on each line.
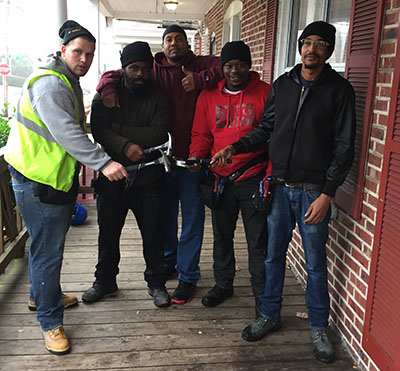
181, 76
224, 115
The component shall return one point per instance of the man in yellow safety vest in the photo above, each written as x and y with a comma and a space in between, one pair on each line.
46, 143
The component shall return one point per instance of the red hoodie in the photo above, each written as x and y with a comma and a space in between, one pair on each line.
207, 72
222, 119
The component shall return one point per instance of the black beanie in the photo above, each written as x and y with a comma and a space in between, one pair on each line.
323, 29
71, 29
235, 50
174, 28
137, 51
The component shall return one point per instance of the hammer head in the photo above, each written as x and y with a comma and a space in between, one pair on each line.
163, 160
168, 151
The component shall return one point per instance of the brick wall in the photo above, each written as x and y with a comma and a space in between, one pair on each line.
351, 241
253, 27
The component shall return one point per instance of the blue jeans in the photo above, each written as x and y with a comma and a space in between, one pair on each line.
47, 225
183, 254
288, 207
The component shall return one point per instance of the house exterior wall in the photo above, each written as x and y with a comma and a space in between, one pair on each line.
350, 241
253, 27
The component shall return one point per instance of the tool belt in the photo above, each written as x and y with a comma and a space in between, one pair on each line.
262, 196
211, 187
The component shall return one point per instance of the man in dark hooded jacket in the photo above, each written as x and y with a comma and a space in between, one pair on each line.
309, 121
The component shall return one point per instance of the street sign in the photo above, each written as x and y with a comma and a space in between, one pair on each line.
5, 69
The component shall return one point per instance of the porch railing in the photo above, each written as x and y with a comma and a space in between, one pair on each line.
14, 233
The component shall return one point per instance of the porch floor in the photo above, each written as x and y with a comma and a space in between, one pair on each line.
128, 332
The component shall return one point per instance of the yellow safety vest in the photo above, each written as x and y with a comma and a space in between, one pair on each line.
32, 150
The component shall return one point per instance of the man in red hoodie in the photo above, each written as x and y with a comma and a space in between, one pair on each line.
223, 115
181, 76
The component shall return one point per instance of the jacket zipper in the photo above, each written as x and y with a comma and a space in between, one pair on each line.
296, 134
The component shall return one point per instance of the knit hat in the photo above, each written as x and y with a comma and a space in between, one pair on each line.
323, 29
137, 51
71, 29
174, 28
235, 50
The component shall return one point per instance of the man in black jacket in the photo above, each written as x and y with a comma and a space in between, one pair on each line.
309, 121
140, 121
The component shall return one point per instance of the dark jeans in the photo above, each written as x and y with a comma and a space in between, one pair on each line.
238, 196
146, 204
288, 207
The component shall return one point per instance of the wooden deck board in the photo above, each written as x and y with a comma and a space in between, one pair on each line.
126, 331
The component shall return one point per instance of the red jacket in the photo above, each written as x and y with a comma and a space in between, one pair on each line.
207, 72
222, 119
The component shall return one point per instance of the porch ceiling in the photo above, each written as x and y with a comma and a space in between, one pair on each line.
154, 10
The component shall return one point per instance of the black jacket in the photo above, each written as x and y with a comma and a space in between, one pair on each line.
310, 130
143, 119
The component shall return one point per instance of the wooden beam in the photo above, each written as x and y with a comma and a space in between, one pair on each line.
14, 250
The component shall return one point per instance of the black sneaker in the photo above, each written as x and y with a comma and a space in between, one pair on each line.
260, 327
216, 296
170, 273
98, 291
183, 293
322, 346
160, 296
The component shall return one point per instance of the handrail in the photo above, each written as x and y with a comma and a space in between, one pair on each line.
13, 233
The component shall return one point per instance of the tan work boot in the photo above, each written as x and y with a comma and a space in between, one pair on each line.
68, 301
56, 341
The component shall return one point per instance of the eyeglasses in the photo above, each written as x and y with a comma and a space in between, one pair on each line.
319, 44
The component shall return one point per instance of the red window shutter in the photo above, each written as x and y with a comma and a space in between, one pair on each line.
382, 323
269, 39
362, 57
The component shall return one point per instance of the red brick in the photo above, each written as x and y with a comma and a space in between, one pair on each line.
340, 229
354, 331
375, 160
379, 147
371, 185
386, 91
364, 276
356, 307
370, 213
382, 121
344, 219
354, 240
366, 237
367, 250
392, 18
358, 257
360, 300
389, 33
352, 264
388, 48
384, 77
381, 105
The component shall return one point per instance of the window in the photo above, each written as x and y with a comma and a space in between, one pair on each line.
232, 25
294, 16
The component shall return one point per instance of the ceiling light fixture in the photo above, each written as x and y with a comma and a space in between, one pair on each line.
171, 5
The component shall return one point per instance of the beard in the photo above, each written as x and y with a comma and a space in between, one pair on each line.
177, 58
313, 65
134, 88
